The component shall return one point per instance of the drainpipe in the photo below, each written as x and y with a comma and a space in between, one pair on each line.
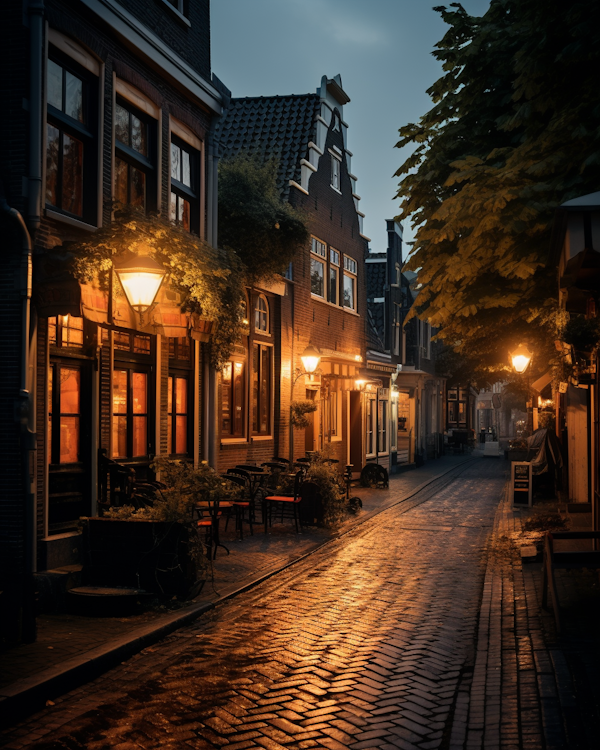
210, 393
35, 11
23, 410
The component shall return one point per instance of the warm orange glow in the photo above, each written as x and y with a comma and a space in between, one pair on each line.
140, 278
310, 359
521, 357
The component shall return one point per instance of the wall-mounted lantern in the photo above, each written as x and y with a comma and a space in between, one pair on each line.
140, 278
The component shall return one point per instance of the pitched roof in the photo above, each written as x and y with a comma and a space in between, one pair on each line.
277, 127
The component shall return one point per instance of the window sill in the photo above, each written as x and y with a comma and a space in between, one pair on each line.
234, 441
336, 190
178, 15
316, 298
77, 223
257, 438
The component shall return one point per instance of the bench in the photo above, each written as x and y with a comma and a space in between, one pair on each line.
570, 560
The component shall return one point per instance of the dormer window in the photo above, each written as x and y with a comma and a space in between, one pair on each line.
261, 314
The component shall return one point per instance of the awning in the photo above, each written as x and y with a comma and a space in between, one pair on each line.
542, 382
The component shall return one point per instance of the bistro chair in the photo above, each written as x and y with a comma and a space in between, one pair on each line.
289, 501
210, 512
240, 506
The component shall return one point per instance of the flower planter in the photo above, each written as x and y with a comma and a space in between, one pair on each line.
151, 555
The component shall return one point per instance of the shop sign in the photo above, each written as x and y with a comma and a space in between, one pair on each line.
521, 483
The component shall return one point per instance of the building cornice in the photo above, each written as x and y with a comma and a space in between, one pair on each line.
158, 54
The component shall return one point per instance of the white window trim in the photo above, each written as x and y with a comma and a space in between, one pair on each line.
338, 395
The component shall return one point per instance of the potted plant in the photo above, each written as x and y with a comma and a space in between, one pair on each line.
299, 411
156, 548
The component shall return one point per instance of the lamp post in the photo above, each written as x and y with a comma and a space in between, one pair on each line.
521, 358
310, 361
141, 278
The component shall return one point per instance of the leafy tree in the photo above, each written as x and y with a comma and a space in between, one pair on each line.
263, 230
512, 134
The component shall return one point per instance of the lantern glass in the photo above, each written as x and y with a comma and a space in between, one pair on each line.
141, 280
310, 359
521, 358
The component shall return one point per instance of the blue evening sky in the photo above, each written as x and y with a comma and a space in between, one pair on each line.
381, 48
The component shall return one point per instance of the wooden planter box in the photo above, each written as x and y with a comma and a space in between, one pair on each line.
149, 555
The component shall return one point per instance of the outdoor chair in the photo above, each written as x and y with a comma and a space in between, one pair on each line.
240, 506
209, 513
289, 501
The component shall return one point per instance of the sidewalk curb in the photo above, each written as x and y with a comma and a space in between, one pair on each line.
27, 696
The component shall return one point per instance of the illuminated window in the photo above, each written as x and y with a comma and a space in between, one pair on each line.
135, 156
64, 414
261, 390
71, 143
261, 314
130, 414
177, 411
184, 207
233, 388
65, 331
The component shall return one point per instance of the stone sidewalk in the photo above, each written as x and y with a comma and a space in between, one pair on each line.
530, 688
72, 649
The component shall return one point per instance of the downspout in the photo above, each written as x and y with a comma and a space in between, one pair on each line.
35, 11
23, 411
210, 392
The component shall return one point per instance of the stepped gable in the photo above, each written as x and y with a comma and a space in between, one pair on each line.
277, 127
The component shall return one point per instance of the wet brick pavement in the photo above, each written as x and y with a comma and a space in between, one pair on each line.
367, 643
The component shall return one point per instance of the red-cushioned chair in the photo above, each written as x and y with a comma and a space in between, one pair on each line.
241, 505
290, 501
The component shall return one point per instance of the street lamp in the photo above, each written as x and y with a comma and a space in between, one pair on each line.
310, 359
521, 357
140, 278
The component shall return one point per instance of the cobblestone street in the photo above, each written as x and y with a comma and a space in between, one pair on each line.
361, 645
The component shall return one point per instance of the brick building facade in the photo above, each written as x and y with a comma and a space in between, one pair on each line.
105, 100
322, 300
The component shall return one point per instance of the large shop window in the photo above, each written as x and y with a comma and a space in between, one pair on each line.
233, 388
184, 207
71, 138
261, 390
179, 396
135, 156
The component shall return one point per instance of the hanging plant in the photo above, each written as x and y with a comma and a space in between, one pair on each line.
299, 410
211, 281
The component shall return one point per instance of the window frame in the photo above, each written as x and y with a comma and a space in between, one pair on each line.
336, 173
232, 401
182, 191
86, 132
57, 364
264, 314
180, 367
133, 362
353, 276
259, 348
148, 165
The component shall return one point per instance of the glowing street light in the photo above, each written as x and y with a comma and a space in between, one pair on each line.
140, 278
521, 357
310, 359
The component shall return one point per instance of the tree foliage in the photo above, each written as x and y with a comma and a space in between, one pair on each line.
513, 132
263, 230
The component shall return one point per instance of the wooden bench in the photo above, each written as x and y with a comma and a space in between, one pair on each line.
570, 560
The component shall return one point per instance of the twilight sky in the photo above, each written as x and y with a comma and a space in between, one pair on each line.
381, 48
